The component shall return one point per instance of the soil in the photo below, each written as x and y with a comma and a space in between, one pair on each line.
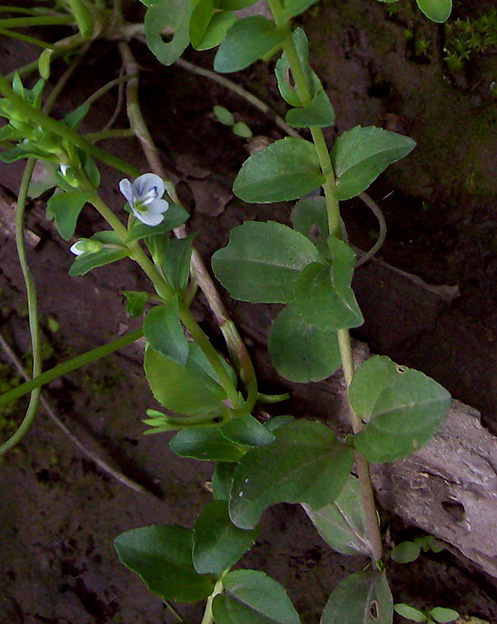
59, 512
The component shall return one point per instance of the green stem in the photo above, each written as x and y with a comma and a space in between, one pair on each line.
65, 132
59, 48
107, 87
13, 9
22, 22
334, 222
124, 133
15, 35
32, 310
210, 353
69, 366
208, 615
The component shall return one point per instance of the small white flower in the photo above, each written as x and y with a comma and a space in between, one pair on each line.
85, 245
144, 198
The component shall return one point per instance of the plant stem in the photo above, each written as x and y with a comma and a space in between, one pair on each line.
65, 132
15, 35
69, 366
21, 22
59, 48
32, 311
334, 222
208, 615
236, 346
124, 133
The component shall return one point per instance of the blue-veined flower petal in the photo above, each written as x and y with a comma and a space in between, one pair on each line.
148, 187
127, 190
149, 218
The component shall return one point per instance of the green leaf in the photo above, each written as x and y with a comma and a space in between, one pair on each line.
301, 352
275, 422
252, 597
76, 116
163, 331
283, 71
173, 218
222, 479
223, 115
199, 21
443, 615
88, 261
360, 598
174, 15
292, 8
405, 552
217, 542
176, 261
65, 208
262, 262
324, 298
44, 63
200, 366
342, 523
436, 10
135, 302
361, 154
320, 113
216, 30
162, 557
248, 40
410, 613
285, 170
310, 218
177, 388
242, 130
402, 407
305, 464
205, 444
247, 431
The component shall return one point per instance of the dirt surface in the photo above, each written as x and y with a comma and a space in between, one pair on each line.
59, 513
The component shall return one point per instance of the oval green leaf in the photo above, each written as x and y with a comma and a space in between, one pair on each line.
342, 523
402, 407
248, 40
437, 10
205, 444
285, 170
177, 388
360, 598
65, 208
320, 113
405, 552
305, 464
247, 431
252, 597
361, 154
164, 333
410, 613
262, 261
310, 218
301, 352
217, 542
174, 15
443, 615
162, 557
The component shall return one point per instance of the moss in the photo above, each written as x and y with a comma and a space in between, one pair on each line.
464, 39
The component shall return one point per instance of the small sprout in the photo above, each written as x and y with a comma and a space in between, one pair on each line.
223, 115
144, 198
52, 325
242, 130
410, 613
406, 552
443, 615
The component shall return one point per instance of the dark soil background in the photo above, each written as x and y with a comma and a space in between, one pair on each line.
59, 513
